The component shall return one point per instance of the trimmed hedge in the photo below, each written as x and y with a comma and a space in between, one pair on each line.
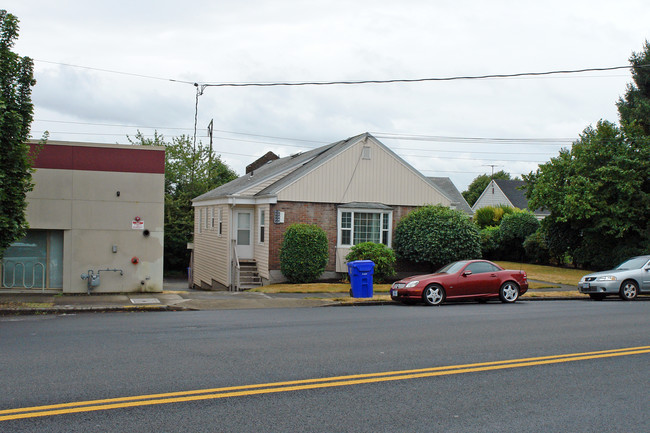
380, 254
303, 253
437, 235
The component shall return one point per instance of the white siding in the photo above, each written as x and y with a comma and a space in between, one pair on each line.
350, 178
211, 251
262, 249
492, 196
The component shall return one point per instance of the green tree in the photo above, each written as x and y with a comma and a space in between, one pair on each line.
478, 185
436, 235
16, 115
598, 192
513, 231
189, 172
304, 253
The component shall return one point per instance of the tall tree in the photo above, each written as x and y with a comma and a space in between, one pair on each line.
189, 172
16, 115
598, 192
478, 185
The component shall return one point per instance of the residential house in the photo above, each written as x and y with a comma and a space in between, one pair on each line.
509, 193
356, 190
95, 221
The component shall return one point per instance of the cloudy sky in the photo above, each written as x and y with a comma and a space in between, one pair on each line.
105, 70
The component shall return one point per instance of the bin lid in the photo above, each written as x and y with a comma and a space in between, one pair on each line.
362, 265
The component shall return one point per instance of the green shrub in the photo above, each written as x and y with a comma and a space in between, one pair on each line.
536, 248
490, 216
489, 242
436, 235
304, 253
380, 254
513, 231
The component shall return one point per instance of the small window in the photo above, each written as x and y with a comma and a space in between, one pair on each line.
200, 222
220, 230
211, 218
366, 152
262, 226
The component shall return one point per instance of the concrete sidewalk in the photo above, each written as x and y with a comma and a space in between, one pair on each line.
177, 297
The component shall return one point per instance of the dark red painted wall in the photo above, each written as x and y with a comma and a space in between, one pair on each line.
128, 160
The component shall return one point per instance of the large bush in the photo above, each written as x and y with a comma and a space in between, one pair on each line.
536, 248
513, 231
490, 216
380, 254
436, 235
490, 243
304, 253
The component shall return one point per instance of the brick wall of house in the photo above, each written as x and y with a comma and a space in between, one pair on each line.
323, 215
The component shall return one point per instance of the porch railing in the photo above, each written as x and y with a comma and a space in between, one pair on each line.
235, 268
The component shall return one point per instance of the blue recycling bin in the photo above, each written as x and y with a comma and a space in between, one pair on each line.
361, 272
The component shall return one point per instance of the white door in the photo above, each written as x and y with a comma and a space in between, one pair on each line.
244, 233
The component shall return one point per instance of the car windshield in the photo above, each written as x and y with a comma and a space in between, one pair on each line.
633, 263
451, 268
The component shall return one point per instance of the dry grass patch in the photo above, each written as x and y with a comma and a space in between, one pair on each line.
551, 274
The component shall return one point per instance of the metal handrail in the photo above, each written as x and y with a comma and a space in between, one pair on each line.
236, 270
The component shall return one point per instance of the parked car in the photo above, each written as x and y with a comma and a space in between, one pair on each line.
467, 279
628, 280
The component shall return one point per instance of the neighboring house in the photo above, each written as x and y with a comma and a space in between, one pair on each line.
356, 190
509, 193
447, 186
97, 210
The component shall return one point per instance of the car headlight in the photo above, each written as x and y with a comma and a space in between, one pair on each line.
606, 278
412, 284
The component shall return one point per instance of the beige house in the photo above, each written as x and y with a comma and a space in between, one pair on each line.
356, 190
96, 221
508, 193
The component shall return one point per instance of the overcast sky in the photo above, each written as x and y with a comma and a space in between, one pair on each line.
105, 69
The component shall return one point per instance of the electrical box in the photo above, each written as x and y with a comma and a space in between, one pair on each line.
278, 217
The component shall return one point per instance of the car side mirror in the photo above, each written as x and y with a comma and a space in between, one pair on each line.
467, 273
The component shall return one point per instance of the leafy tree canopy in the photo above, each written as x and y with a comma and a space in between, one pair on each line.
478, 185
598, 192
189, 172
16, 115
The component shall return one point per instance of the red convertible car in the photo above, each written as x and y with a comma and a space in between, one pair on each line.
467, 279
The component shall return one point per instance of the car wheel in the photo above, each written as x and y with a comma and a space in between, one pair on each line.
509, 292
433, 295
629, 290
597, 296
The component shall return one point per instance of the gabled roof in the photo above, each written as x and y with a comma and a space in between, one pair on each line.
263, 174
515, 191
276, 175
449, 189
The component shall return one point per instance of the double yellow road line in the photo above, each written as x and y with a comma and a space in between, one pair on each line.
300, 385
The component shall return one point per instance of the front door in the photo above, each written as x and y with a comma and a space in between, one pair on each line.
244, 233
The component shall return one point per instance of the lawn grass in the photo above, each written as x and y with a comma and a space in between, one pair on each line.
550, 274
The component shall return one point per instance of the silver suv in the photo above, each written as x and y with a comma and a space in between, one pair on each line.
629, 279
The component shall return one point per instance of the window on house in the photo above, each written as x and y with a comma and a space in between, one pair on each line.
360, 226
207, 221
211, 218
200, 219
262, 225
220, 230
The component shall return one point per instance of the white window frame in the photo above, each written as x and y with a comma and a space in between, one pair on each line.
385, 229
220, 222
200, 222
261, 227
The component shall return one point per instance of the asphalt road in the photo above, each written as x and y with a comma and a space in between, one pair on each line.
350, 369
